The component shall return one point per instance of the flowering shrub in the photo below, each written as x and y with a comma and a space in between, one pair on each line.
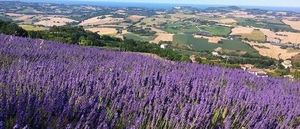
45, 84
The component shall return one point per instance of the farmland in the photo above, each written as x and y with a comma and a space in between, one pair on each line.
138, 37
255, 35
215, 30
180, 28
32, 28
198, 44
267, 25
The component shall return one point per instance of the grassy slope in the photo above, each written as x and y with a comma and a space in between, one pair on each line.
216, 30
197, 44
256, 35
138, 37
32, 27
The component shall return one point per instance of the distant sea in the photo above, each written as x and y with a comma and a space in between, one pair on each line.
160, 5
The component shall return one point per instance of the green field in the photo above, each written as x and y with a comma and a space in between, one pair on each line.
138, 37
256, 35
272, 25
216, 30
179, 28
198, 44
191, 28
32, 28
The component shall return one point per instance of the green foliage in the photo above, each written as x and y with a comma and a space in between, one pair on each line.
199, 44
255, 35
139, 46
296, 74
70, 35
180, 27
141, 31
216, 30
138, 37
10, 28
273, 26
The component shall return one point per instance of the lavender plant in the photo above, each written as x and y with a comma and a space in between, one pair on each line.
45, 84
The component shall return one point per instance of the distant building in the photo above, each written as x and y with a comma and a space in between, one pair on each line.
273, 40
258, 72
163, 46
289, 76
215, 54
287, 64
246, 67
193, 58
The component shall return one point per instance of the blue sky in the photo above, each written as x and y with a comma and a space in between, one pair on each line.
277, 3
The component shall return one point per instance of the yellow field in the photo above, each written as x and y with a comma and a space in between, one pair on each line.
32, 28
54, 21
255, 35
163, 37
289, 37
227, 21
213, 39
240, 30
101, 21
104, 31
273, 51
294, 24
135, 18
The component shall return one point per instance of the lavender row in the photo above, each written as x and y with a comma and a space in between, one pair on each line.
45, 84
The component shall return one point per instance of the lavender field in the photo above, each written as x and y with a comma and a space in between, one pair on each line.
49, 85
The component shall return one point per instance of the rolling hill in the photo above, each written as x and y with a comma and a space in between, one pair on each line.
44, 84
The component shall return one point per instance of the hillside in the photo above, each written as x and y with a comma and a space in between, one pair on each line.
46, 84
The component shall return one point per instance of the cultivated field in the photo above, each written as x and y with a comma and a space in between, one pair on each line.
135, 18
101, 20
137, 37
213, 39
240, 30
54, 21
163, 37
201, 44
273, 51
32, 27
289, 37
215, 30
294, 24
226, 21
255, 35
104, 31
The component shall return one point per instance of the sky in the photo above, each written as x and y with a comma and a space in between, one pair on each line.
276, 3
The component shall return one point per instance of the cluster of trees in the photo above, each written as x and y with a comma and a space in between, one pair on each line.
10, 28
70, 35
78, 36
141, 31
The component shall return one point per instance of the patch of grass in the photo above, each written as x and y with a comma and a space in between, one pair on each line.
32, 28
138, 37
198, 44
256, 35
216, 30
272, 25
179, 28
192, 43
237, 45
190, 28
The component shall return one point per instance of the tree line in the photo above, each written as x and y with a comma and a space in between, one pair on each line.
78, 36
